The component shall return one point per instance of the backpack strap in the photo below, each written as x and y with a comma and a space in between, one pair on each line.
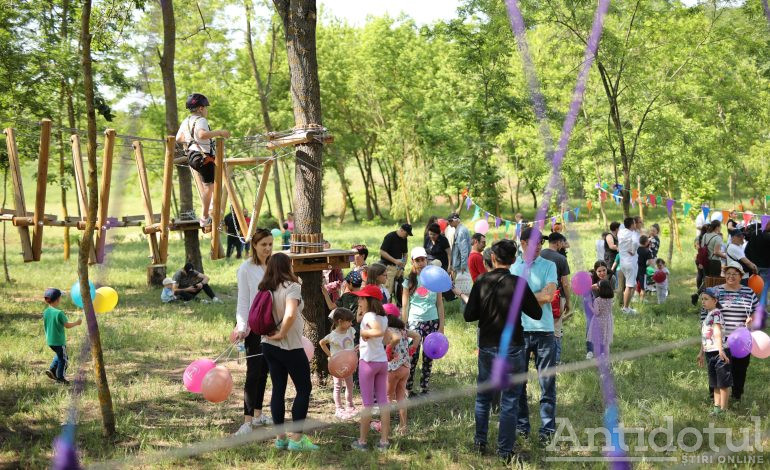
192, 133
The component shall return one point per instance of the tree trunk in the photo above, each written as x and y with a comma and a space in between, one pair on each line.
534, 196
192, 247
299, 25
103, 389
265, 105
63, 98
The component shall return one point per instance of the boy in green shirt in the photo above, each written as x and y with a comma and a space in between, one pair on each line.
55, 321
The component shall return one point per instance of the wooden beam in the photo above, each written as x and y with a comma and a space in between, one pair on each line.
165, 210
247, 161
82, 188
18, 192
259, 199
144, 185
42, 184
216, 217
104, 194
299, 137
235, 202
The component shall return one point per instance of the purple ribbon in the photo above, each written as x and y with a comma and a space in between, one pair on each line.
669, 205
468, 203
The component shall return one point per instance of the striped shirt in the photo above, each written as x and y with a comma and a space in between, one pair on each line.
737, 306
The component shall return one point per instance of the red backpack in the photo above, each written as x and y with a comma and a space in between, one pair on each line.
261, 320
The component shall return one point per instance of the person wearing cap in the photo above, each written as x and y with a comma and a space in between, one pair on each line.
539, 339
556, 242
190, 282
56, 323
461, 247
739, 303
423, 312
735, 254
488, 303
167, 294
373, 363
393, 253
194, 131
348, 299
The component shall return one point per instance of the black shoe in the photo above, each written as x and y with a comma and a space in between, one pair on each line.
424, 392
545, 439
413, 394
523, 435
480, 447
63, 381
50, 374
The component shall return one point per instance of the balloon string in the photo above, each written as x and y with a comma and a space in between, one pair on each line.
240, 358
226, 351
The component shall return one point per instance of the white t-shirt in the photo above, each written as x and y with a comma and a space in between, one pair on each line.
628, 242
373, 349
185, 129
293, 339
249, 276
341, 341
734, 254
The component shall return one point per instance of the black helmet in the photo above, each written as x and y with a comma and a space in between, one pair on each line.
196, 100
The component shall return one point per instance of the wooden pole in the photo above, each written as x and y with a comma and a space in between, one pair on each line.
42, 183
216, 217
104, 194
165, 208
260, 197
235, 202
18, 193
147, 199
82, 190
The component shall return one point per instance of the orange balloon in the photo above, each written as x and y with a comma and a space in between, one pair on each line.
756, 283
217, 384
343, 363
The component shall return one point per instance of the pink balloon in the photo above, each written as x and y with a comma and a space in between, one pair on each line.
391, 309
760, 346
217, 384
581, 283
343, 364
193, 375
482, 227
309, 348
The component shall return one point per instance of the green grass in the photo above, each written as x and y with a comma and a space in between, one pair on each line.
147, 346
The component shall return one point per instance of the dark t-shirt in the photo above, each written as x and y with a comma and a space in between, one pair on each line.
230, 223
644, 255
489, 301
393, 245
184, 279
438, 250
349, 301
758, 249
562, 266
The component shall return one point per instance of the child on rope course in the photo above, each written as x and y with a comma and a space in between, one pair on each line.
196, 133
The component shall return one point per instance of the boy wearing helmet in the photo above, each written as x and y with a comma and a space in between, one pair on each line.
196, 133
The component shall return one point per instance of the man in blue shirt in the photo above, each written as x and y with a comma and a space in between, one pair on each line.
538, 334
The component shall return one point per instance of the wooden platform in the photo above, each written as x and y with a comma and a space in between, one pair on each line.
328, 259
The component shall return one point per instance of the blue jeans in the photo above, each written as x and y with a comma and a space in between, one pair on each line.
558, 350
506, 437
764, 273
543, 346
59, 364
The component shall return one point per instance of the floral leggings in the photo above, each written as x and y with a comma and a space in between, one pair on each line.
424, 328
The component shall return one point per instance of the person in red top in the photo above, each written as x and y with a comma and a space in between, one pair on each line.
475, 259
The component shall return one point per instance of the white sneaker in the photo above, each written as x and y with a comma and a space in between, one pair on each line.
624, 310
216, 300
340, 414
631, 311
261, 420
244, 429
204, 301
589, 355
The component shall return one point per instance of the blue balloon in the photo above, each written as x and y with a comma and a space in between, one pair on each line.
77, 299
276, 233
435, 279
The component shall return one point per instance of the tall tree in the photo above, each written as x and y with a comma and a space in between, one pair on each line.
299, 25
191, 243
103, 389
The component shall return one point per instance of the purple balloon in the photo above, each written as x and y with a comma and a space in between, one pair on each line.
740, 342
436, 345
581, 283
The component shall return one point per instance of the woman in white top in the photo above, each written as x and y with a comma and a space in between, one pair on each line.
250, 274
284, 352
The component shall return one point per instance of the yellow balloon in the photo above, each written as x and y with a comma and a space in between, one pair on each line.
106, 299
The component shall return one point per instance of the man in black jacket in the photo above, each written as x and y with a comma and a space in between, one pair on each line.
488, 303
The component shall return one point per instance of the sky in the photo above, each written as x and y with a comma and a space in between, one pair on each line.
422, 11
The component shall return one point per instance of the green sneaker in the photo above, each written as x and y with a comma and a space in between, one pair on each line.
302, 444
716, 411
282, 444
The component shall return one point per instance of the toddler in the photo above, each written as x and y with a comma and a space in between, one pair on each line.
399, 362
167, 294
661, 288
601, 329
712, 348
340, 339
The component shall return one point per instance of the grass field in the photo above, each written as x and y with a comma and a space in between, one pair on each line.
147, 346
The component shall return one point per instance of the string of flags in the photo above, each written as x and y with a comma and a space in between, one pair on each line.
651, 200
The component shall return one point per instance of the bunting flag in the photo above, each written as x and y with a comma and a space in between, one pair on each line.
752, 202
747, 218
486, 216
589, 204
726, 216
497, 222
577, 213
607, 186
507, 225
465, 192
765, 221
687, 207
669, 205
653, 200
658, 200
706, 211
603, 196
635, 195
553, 221
468, 203
518, 229
767, 200
476, 213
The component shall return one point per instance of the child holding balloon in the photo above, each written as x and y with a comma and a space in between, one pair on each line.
712, 348
399, 362
423, 312
341, 338
600, 330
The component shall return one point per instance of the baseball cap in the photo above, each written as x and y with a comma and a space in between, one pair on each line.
407, 228
369, 290
737, 233
453, 216
711, 292
168, 281
556, 237
52, 294
354, 278
419, 252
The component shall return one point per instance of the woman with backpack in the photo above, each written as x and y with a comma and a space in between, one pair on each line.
250, 274
283, 349
710, 250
